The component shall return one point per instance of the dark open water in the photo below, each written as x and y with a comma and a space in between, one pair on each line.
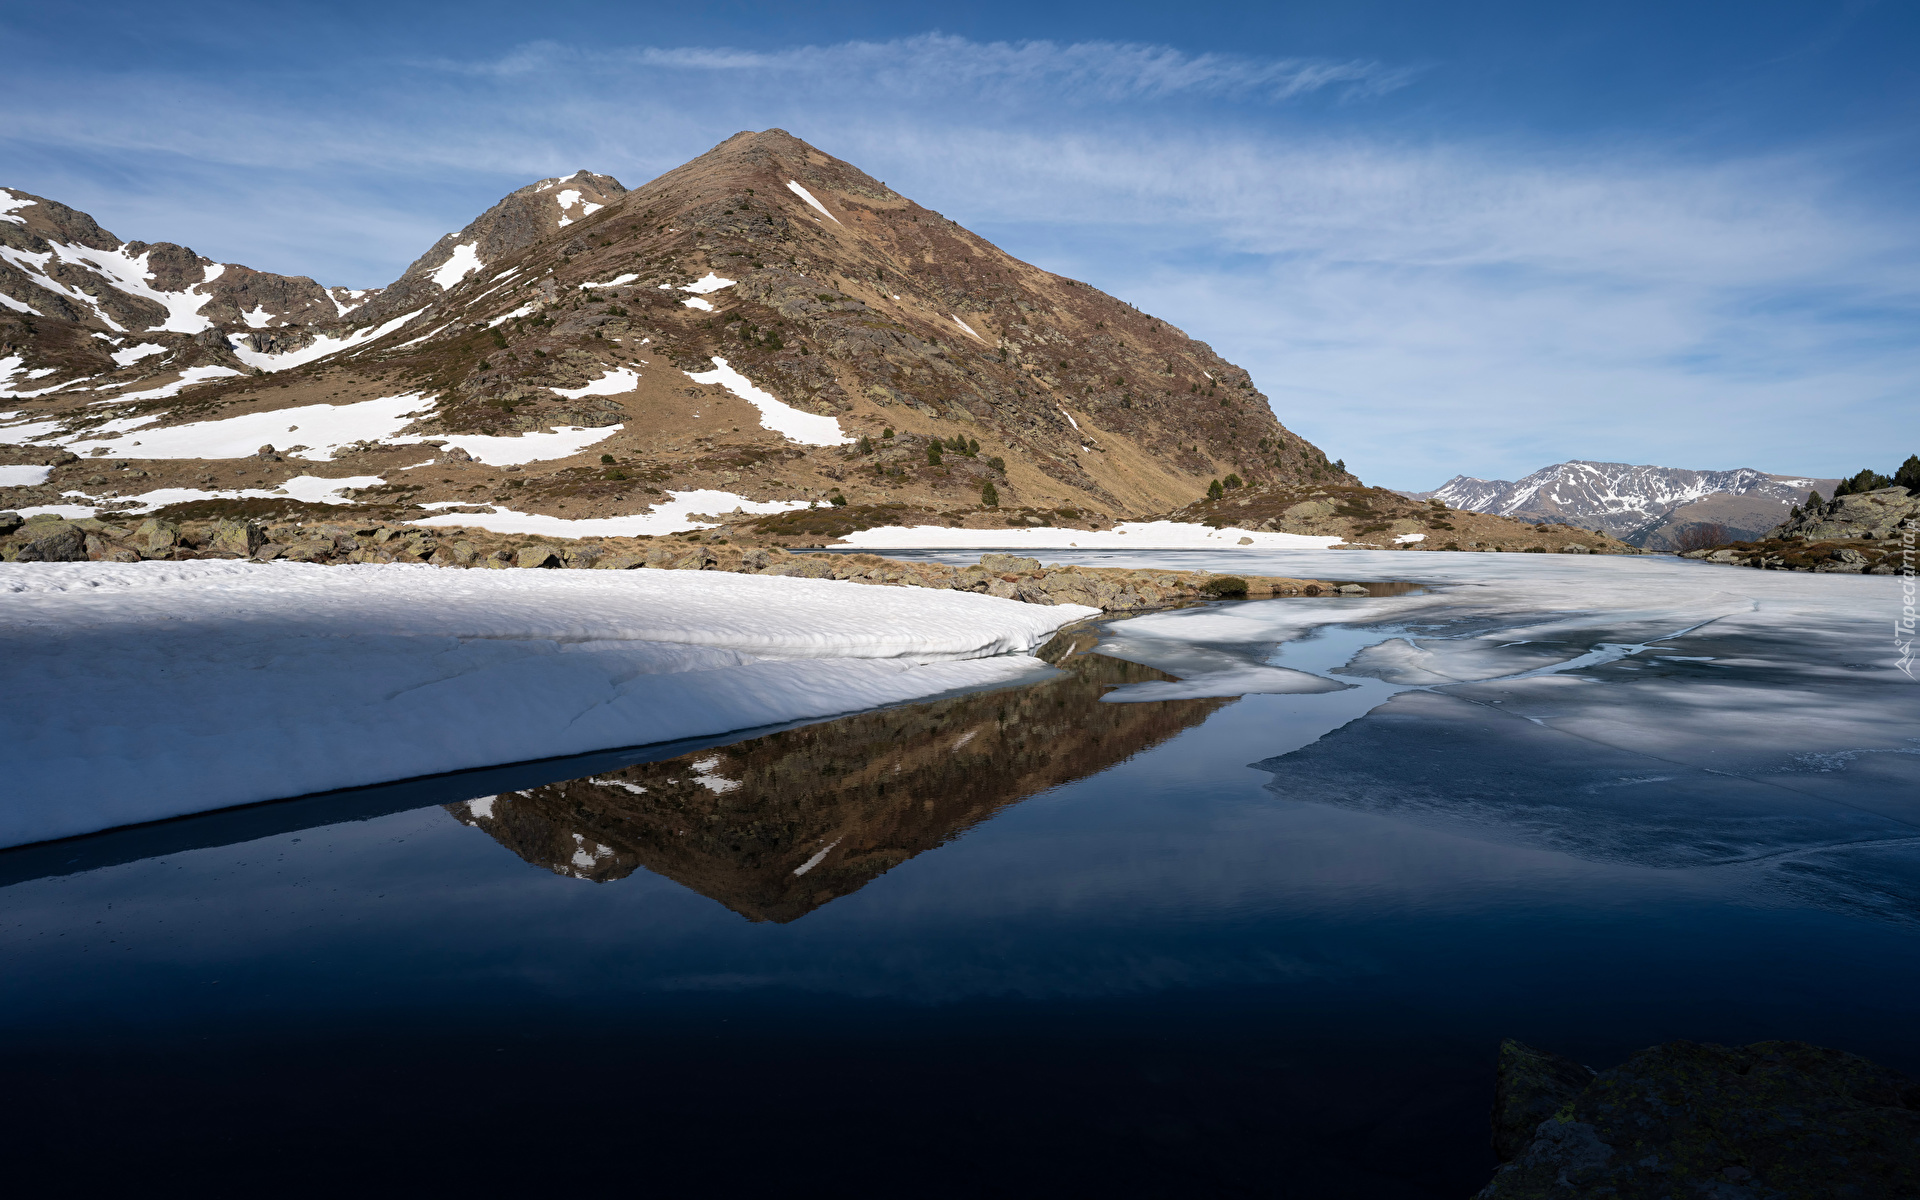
1012, 943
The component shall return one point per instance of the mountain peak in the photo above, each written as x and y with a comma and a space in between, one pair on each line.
766, 323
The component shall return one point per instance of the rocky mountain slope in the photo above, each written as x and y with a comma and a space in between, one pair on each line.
766, 325
1643, 505
1381, 519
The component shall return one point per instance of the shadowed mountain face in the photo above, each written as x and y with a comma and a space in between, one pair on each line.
775, 827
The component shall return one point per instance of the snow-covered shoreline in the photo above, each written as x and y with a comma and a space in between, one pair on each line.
135, 692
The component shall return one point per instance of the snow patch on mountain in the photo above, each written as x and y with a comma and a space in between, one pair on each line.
794, 187
464, 261
320, 347
621, 379
796, 426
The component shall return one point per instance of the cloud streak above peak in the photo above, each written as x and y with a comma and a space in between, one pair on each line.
935, 64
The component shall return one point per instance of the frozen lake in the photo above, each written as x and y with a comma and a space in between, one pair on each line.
1237, 901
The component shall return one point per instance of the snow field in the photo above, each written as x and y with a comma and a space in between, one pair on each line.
806, 428
320, 347
670, 516
323, 428
141, 691
1129, 535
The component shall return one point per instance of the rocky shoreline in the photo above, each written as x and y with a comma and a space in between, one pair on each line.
48, 538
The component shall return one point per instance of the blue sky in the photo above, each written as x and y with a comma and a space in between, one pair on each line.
1474, 238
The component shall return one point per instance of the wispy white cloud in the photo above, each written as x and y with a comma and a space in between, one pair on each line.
1420, 307
937, 64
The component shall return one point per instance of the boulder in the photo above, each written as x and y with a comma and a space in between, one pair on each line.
1575, 548
236, 537
536, 557
50, 541
156, 536
1008, 564
626, 560
9, 521
696, 560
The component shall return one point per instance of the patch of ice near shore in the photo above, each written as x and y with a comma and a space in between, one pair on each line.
669, 516
142, 691
1130, 535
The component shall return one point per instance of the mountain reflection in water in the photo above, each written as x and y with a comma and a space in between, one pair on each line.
777, 826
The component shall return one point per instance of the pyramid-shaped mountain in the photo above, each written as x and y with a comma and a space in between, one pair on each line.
766, 322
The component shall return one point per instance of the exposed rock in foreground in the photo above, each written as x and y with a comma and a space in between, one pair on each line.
1871, 533
48, 538
1774, 1120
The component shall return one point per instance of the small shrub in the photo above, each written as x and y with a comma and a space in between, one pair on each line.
989, 495
607, 459
998, 464
837, 500
1233, 481
933, 454
1221, 587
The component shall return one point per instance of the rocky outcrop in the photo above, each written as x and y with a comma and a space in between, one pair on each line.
1769, 1121
1867, 533
1877, 516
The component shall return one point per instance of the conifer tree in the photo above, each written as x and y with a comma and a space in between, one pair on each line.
1908, 476
1215, 491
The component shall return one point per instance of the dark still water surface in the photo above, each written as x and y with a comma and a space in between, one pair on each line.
1015, 943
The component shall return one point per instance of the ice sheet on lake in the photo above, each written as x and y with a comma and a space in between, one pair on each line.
1645, 710
147, 690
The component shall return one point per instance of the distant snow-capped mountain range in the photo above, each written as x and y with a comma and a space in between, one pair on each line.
1644, 505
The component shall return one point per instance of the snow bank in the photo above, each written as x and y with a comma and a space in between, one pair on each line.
133, 354
616, 281
708, 283
697, 302
613, 382
804, 427
322, 428
1130, 535
319, 348
24, 476
561, 441
464, 261
141, 691
794, 187
504, 317
188, 378
671, 516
